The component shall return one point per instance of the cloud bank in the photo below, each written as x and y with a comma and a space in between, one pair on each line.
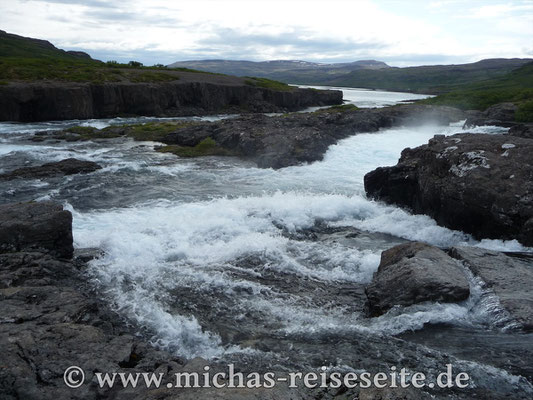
398, 32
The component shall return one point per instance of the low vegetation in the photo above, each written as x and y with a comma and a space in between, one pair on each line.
207, 147
516, 87
151, 131
338, 108
26, 59
268, 84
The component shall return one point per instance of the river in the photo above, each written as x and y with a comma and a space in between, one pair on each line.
213, 257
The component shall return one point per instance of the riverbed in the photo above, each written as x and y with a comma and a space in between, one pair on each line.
216, 258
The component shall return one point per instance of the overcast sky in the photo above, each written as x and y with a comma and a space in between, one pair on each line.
400, 33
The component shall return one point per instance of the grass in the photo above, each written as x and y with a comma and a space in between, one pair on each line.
26, 59
525, 112
268, 84
151, 131
434, 79
515, 87
338, 108
207, 147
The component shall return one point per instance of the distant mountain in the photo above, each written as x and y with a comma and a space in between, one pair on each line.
289, 71
370, 74
433, 79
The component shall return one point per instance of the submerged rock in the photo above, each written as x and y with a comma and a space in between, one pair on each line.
69, 166
36, 225
480, 184
413, 273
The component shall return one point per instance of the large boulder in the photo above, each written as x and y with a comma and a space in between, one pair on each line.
415, 272
479, 184
36, 225
69, 166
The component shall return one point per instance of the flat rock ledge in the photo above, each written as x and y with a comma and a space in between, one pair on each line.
69, 166
477, 183
415, 272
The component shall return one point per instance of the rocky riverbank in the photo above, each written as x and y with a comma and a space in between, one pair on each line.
414, 273
189, 94
270, 141
480, 184
52, 317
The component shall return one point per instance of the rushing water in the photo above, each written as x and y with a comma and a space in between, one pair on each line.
214, 257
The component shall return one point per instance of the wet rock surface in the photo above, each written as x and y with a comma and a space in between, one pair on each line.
414, 273
52, 317
68, 166
509, 276
480, 184
281, 141
291, 139
36, 225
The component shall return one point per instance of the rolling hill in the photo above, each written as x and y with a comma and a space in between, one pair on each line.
434, 79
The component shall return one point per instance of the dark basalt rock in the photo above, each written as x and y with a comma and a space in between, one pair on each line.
509, 276
214, 94
501, 114
480, 184
69, 166
413, 273
40, 225
281, 141
522, 130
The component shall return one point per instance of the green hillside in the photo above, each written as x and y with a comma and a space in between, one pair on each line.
516, 87
28, 59
433, 79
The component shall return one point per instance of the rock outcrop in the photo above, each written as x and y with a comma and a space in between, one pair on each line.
69, 166
509, 276
522, 130
413, 273
480, 184
502, 114
214, 94
44, 226
281, 141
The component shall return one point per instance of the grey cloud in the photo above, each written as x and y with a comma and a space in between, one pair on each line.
88, 3
296, 40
